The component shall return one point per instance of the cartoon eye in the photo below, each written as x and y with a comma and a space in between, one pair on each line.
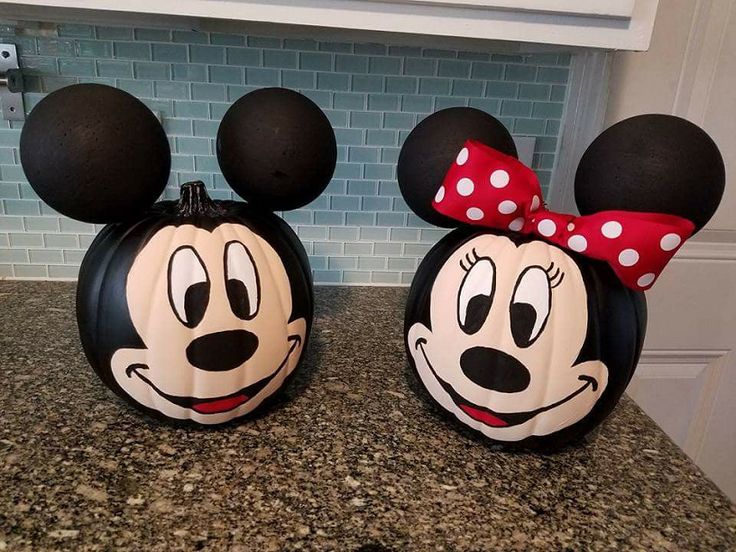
476, 293
530, 305
241, 281
189, 286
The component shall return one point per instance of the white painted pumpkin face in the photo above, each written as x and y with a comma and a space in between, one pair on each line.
213, 309
507, 325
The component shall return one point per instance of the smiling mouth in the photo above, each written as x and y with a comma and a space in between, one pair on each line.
500, 419
216, 405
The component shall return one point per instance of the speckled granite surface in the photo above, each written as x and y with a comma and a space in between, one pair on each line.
350, 458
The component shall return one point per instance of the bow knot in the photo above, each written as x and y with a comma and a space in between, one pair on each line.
485, 187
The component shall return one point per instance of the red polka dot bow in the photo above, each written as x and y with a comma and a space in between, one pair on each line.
484, 187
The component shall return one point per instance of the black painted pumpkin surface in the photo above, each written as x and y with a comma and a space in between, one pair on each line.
520, 340
197, 310
192, 310
523, 341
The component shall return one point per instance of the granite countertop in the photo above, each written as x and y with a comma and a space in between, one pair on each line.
350, 459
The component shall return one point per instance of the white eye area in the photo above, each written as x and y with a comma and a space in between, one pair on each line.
243, 286
476, 295
188, 286
530, 305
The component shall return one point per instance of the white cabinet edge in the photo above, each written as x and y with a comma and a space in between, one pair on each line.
610, 24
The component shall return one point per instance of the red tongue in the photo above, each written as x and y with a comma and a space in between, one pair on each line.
483, 416
219, 405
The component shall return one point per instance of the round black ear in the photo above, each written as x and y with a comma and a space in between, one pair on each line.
431, 148
276, 149
652, 163
95, 153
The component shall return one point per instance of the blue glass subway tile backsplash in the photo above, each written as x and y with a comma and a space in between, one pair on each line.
360, 231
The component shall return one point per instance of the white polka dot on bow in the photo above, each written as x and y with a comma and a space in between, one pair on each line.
547, 227
612, 229
474, 213
535, 203
440, 195
500, 178
628, 257
577, 243
506, 207
465, 186
646, 279
670, 242
462, 157
516, 224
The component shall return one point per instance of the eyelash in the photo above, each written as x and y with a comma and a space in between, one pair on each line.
470, 260
555, 279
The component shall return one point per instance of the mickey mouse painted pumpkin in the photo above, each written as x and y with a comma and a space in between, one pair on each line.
524, 324
194, 309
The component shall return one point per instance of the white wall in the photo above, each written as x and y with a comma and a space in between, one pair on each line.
689, 70
687, 377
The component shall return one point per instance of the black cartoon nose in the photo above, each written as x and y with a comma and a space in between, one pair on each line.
221, 351
494, 370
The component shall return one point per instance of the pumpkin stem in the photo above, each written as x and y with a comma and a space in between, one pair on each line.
194, 201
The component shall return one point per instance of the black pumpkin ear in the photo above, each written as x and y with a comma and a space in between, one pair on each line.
432, 146
276, 149
652, 163
95, 153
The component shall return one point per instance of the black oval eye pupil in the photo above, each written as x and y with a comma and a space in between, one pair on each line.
237, 294
523, 318
195, 303
476, 313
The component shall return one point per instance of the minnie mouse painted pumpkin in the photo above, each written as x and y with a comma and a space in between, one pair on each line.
193, 309
524, 324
